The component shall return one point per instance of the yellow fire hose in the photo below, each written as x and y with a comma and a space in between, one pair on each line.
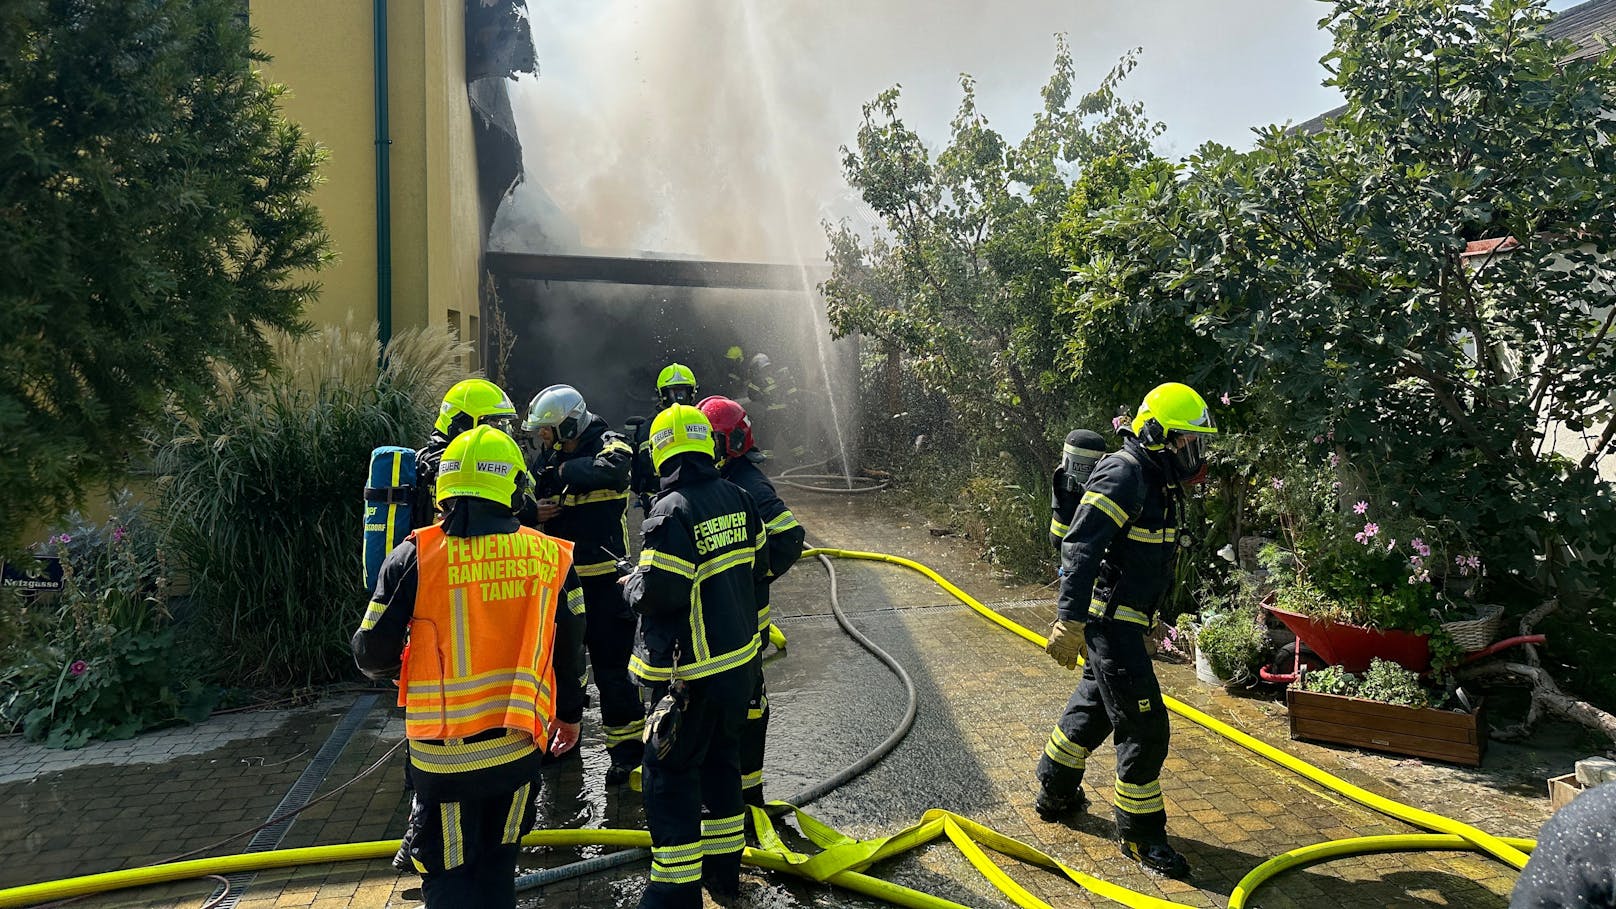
841, 859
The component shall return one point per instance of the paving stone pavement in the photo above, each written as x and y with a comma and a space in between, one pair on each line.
986, 702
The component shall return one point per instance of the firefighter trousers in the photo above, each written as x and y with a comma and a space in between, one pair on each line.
1118, 695
466, 849
693, 795
753, 737
609, 638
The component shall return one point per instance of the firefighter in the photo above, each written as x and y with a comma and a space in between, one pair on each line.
1083, 449
676, 384
704, 549
473, 402
477, 712
739, 462
770, 394
583, 492
1118, 560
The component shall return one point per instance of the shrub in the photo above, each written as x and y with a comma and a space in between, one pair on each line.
1012, 520
1331, 680
260, 495
1235, 643
99, 659
1390, 683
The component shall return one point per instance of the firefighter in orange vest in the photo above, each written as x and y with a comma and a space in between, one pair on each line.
481, 620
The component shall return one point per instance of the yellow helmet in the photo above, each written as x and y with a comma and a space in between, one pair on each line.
734, 353
482, 462
679, 429
673, 377
1173, 407
472, 403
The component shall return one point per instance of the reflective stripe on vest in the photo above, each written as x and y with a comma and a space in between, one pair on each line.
482, 638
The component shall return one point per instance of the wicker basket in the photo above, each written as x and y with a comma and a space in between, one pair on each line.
1475, 634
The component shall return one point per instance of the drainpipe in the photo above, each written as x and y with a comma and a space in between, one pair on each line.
384, 203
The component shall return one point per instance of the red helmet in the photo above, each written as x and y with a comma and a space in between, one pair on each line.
732, 431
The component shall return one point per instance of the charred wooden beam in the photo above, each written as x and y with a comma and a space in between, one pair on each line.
658, 272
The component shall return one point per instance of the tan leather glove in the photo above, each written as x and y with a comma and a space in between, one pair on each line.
1066, 643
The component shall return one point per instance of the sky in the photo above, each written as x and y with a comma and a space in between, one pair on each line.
712, 127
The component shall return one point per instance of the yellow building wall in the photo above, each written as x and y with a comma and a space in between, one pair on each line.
323, 54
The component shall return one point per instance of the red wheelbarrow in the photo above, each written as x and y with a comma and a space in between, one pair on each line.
1354, 646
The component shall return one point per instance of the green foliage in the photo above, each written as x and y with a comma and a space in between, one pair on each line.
260, 496
1011, 519
961, 276
99, 660
1390, 683
156, 218
1235, 643
1330, 680
1330, 267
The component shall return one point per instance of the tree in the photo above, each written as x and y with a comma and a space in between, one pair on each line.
154, 219
961, 276
1331, 268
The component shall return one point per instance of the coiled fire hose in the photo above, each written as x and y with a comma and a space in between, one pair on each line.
842, 859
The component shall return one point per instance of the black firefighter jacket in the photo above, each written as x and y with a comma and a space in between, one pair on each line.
785, 534
593, 498
1119, 552
695, 589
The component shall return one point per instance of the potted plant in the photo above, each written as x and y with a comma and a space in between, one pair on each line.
1386, 708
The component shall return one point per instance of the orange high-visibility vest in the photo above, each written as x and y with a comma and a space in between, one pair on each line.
482, 639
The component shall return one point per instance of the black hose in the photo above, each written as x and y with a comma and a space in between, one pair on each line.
880, 751
813, 793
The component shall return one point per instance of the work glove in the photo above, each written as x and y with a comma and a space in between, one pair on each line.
1066, 643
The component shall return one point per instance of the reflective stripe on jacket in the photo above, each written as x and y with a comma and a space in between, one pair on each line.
482, 636
785, 534
594, 515
700, 569
1120, 549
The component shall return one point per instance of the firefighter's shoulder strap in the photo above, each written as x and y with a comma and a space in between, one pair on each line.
1116, 584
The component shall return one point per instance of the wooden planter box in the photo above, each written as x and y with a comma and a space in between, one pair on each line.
1443, 735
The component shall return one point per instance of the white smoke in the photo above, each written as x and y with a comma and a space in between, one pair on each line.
712, 127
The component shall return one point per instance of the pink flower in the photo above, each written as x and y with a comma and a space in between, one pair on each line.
78, 667
1318, 439
1118, 422
1371, 529
1391, 544
1420, 546
119, 534
1330, 435
1360, 508
1335, 460
1225, 399
1336, 486
1278, 483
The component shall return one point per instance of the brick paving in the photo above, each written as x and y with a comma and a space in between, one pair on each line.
986, 701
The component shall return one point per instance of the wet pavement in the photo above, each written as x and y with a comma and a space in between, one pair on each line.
987, 699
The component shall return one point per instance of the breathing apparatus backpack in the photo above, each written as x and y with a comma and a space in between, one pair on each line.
389, 501
1083, 449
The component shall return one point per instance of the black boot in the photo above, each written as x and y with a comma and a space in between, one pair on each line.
1160, 858
618, 774
1053, 807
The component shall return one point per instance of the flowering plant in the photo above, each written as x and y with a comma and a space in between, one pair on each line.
99, 658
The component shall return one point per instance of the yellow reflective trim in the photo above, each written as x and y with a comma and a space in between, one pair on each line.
1123, 613
1140, 790
763, 618
373, 614
454, 848
598, 495
698, 670
785, 520
723, 563
616, 445
513, 818
617, 735
717, 826
650, 558
595, 569
1057, 528
575, 601
1165, 535
722, 845
460, 632
752, 780
673, 855
468, 756
1112, 510
1147, 807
